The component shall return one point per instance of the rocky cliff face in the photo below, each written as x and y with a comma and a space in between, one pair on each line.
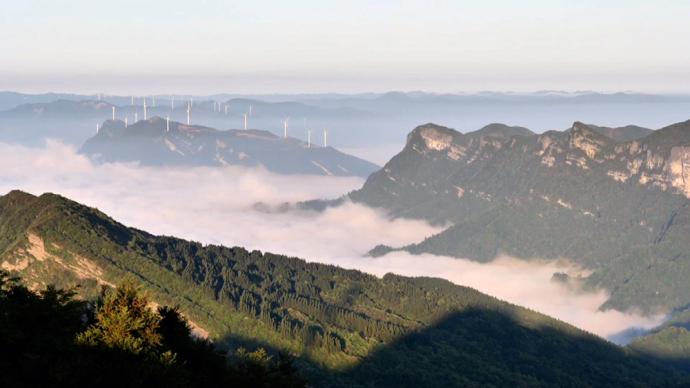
616, 207
654, 163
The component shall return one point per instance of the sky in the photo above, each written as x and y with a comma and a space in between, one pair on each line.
301, 46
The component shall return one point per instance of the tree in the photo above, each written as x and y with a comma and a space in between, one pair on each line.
125, 322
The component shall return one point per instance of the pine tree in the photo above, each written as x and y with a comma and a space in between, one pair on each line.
124, 322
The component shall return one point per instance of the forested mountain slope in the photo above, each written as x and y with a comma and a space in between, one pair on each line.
347, 327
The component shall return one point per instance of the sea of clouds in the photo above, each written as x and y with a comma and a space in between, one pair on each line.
216, 205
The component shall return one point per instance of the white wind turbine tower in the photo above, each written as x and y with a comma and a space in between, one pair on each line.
189, 113
145, 110
251, 108
132, 102
126, 123
245, 121
308, 138
98, 128
325, 138
136, 116
285, 127
167, 124
113, 113
226, 109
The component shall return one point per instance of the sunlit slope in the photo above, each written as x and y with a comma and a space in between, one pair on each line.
619, 208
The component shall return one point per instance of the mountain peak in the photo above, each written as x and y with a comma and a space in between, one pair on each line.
622, 134
18, 196
502, 130
583, 130
432, 136
581, 136
670, 136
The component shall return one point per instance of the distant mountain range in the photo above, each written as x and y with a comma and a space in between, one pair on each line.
618, 207
60, 109
347, 328
368, 121
9, 99
158, 142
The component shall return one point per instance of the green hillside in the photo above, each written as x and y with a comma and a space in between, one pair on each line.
347, 328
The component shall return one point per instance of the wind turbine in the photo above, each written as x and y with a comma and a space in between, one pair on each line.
285, 127
245, 121
126, 124
98, 127
251, 108
325, 137
308, 138
113, 113
226, 109
132, 103
145, 110
167, 124
189, 112
136, 116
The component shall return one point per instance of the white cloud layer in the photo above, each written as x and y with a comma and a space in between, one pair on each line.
214, 205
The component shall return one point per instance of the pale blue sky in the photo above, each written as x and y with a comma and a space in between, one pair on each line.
211, 46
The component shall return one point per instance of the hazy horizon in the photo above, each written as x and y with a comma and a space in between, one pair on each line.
363, 93
305, 47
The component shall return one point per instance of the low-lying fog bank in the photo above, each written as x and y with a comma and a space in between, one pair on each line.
214, 205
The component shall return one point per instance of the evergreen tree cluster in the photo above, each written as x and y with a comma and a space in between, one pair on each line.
48, 338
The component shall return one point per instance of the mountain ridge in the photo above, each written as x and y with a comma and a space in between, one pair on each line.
151, 143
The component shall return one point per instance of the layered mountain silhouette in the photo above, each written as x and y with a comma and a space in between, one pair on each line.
348, 328
158, 142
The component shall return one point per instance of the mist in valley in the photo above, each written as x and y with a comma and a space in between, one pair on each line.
217, 206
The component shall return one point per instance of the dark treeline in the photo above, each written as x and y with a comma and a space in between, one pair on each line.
49, 338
